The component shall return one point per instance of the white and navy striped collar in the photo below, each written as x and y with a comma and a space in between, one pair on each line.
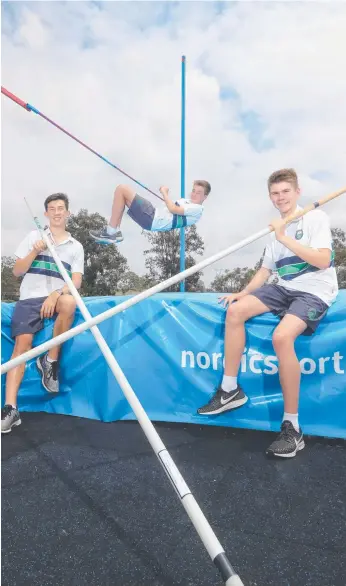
68, 239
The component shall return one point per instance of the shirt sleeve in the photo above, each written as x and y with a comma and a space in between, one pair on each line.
321, 235
191, 210
26, 245
78, 261
268, 260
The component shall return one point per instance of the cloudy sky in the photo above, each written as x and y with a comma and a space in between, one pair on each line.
266, 88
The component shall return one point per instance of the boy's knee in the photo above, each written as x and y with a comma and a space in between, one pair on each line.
235, 314
282, 337
126, 190
121, 187
66, 305
22, 344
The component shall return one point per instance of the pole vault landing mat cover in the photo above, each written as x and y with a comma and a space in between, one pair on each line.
87, 503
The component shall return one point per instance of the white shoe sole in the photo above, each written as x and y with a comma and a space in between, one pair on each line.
15, 424
299, 447
228, 407
42, 378
106, 240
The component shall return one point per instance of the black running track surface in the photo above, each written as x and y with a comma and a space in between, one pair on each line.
87, 503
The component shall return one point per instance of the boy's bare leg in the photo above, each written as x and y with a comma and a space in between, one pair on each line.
123, 196
284, 338
290, 440
14, 377
237, 314
47, 363
65, 309
230, 395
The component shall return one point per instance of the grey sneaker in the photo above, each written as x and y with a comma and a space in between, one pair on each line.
49, 372
102, 236
288, 442
9, 418
222, 401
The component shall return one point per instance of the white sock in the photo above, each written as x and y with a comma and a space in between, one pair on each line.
293, 418
49, 359
14, 406
229, 383
111, 230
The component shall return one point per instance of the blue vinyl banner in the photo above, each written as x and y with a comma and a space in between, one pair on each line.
171, 348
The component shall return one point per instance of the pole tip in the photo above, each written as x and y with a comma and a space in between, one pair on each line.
234, 581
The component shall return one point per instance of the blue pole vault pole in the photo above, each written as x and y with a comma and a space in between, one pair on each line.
182, 168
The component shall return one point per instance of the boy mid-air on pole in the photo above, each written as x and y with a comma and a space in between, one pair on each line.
175, 214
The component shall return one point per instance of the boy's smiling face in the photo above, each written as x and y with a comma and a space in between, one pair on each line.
284, 196
57, 213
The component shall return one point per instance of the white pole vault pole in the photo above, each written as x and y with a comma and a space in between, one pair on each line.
156, 289
204, 530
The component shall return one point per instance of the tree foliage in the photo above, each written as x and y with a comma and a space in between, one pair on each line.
105, 267
107, 271
132, 283
231, 281
339, 241
163, 257
9, 283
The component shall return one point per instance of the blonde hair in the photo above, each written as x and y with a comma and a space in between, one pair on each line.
206, 186
288, 175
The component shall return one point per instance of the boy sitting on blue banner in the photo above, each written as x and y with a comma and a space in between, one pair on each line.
183, 212
301, 255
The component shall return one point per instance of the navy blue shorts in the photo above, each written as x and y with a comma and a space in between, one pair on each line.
142, 212
281, 301
26, 317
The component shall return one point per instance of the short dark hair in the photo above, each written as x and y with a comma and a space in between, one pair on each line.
55, 197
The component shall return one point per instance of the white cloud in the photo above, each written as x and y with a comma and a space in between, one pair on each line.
32, 32
110, 74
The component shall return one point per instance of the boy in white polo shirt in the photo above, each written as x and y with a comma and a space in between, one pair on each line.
302, 255
43, 294
175, 214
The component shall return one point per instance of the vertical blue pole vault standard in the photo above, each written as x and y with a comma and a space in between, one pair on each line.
182, 168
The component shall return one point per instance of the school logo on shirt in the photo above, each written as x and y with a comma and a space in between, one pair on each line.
299, 234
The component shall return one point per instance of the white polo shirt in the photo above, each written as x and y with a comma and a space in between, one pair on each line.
165, 220
293, 272
43, 276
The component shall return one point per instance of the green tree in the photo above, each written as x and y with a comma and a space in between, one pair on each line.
132, 283
232, 281
163, 257
104, 266
9, 283
339, 242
